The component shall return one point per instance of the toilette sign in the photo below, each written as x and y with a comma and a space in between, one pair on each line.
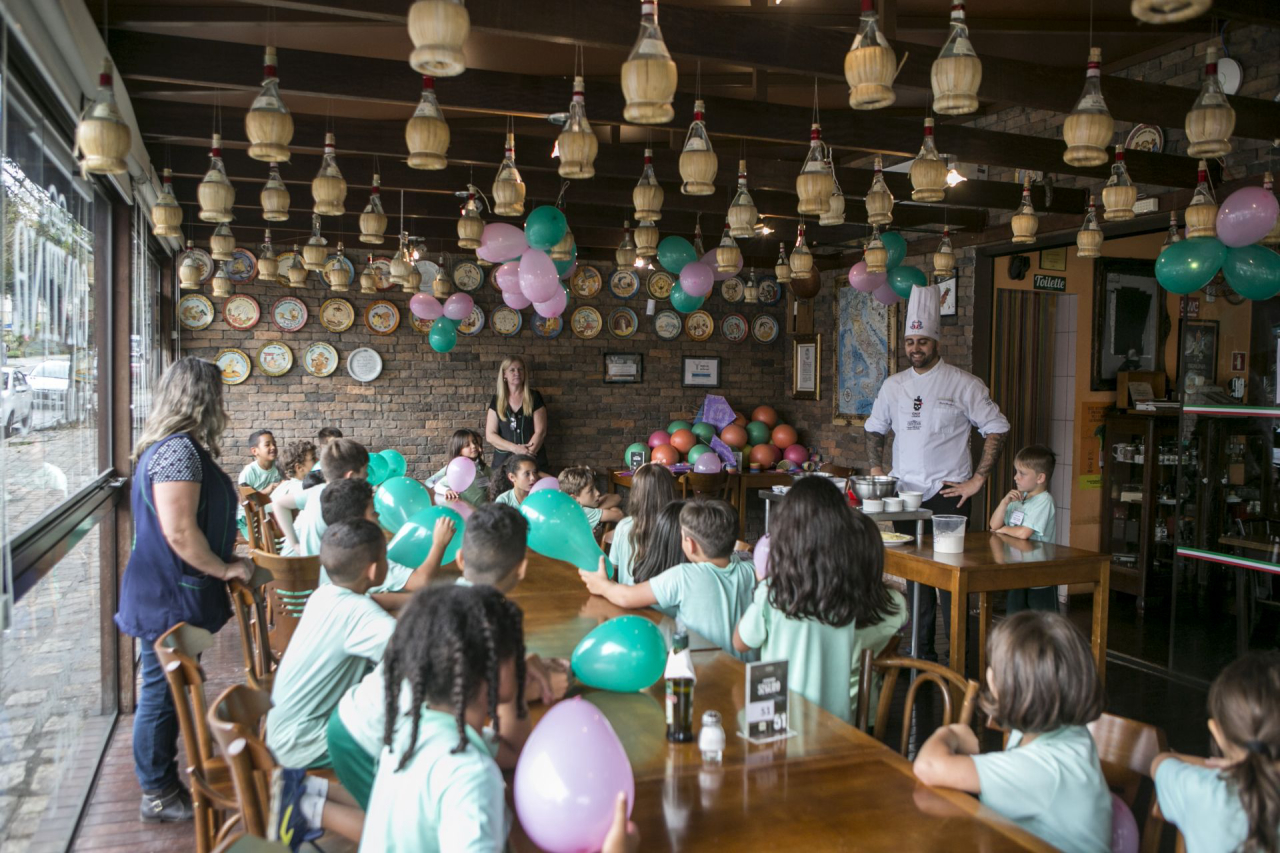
1054, 283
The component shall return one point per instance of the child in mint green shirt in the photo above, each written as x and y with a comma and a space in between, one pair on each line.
261, 474
824, 599
579, 483
1043, 685
653, 488
512, 484
1027, 512
466, 443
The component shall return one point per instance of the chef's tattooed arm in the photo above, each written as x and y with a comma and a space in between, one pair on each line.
875, 449
991, 449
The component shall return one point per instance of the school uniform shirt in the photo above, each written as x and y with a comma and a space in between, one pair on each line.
475, 494
593, 516
509, 498
363, 711
1052, 787
708, 599
257, 478
308, 525
931, 415
621, 554
339, 635
1036, 512
1205, 807
823, 660
441, 801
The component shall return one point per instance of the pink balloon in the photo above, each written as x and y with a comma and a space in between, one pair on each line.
458, 306
568, 778
1246, 216
545, 483
796, 453
567, 274
697, 278
554, 306
538, 279
460, 473
885, 295
708, 463
500, 242
659, 437
426, 306
710, 260
1124, 828
515, 299
867, 282
760, 556
462, 508
508, 277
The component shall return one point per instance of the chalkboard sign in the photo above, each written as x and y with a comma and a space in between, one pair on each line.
1054, 283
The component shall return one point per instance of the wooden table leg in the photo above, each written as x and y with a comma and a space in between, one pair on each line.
1101, 602
959, 620
984, 631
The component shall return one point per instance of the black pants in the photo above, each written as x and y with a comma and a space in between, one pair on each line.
927, 624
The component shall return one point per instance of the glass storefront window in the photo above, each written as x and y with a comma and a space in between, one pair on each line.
144, 321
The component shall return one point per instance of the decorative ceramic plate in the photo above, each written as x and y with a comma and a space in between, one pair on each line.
468, 276
764, 329
320, 359
624, 283
243, 265
732, 289
770, 290
234, 364
275, 358
202, 258
473, 324
506, 321
585, 322
734, 328
337, 315
585, 282
699, 325
241, 312
622, 322
289, 313
284, 260
668, 325
364, 364
428, 270
492, 277
334, 260
419, 324
195, 312
1147, 137
547, 327
382, 317
381, 269
659, 285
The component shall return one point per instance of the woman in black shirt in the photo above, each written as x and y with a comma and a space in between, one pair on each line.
516, 421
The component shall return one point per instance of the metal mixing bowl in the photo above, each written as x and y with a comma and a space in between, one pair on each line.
871, 488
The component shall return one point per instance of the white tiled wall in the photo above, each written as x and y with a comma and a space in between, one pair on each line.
1062, 413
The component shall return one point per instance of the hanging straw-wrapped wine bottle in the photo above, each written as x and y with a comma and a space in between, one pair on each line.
1211, 119
834, 214
742, 210
274, 197
189, 271
782, 267
297, 272
697, 159
166, 213
649, 74
215, 193
1089, 237
1119, 195
577, 142
439, 29
870, 64
625, 254
315, 252
508, 186
1024, 222
470, 225
268, 264
373, 222
1202, 213
879, 200
269, 124
1171, 236
426, 133
102, 137
728, 255
646, 237
928, 172
328, 187
876, 255
815, 183
1089, 128
957, 72
222, 243
944, 257
647, 195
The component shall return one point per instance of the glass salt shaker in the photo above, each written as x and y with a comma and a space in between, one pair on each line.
711, 738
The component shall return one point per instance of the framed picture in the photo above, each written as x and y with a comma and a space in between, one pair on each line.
1130, 323
947, 301
1197, 354
806, 367
865, 354
1054, 259
623, 367
701, 372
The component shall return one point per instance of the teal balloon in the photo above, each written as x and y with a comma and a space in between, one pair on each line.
558, 529
704, 431
1188, 265
902, 279
545, 227
676, 426
412, 544
638, 447
683, 302
378, 470
896, 246
758, 432
396, 466
444, 335
625, 655
399, 499
562, 267
674, 253
696, 451
1253, 271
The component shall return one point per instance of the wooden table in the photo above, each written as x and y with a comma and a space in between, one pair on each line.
744, 485
990, 563
829, 787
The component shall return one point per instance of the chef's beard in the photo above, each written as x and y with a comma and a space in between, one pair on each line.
922, 360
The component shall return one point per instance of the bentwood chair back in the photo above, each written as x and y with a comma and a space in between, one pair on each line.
212, 797
236, 719
294, 579
947, 681
698, 485
1126, 749
255, 641
261, 529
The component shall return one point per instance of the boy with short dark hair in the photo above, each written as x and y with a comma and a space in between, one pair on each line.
1027, 512
494, 549
342, 458
261, 474
580, 484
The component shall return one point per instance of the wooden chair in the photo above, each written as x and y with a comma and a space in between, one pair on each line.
261, 527
212, 795
835, 470
251, 616
235, 719
293, 581
946, 679
1126, 749
695, 485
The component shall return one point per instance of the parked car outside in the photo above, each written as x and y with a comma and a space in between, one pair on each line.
16, 402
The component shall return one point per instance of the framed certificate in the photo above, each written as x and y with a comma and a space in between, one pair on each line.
623, 367
701, 372
806, 378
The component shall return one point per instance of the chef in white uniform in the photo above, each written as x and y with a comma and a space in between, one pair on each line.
931, 409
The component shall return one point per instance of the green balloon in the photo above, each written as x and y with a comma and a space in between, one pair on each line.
902, 279
545, 227
378, 470
1188, 265
399, 499
563, 267
674, 252
676, 426
758, 432
896, 246
558, 529
704, 431
683, 302
412, 544
1253, 271
626, 654
444, 335
696, 451
638, 447
396, 466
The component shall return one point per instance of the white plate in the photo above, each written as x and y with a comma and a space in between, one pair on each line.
364, 364
906, 541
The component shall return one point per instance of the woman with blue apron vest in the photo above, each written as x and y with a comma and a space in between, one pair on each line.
184, 521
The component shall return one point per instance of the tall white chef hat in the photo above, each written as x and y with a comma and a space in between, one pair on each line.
924, 315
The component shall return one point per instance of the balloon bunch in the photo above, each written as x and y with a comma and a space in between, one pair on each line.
1252, 270
764, 441
677, 255
445, 317
384, 466
558, 529
896, 282
527, 275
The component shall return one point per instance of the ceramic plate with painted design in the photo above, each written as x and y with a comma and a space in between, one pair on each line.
275, 358
585, 322
732, 289
241, 312
289, 314
764, 329
624, 283
699, 325
234, 364
506, 321
467, 275
472, 326
382, 317
668, 325
770, 290
381, 269
195, 312
337, 315
622, 322
243, 265
659, 285
320, 359
734, 328
585, 282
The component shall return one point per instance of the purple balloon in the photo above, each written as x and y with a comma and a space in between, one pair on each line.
1246, 216
458, 307
508, 277
710, 260
426, 307
760, 556
886, 295
1124, 828
500, 242
515, 299
708, 463
545, 483
538, 278
460, 473
697, 278
867, 282
567, 274
554, 306
568, 778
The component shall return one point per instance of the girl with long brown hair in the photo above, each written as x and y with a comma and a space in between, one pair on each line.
652, 488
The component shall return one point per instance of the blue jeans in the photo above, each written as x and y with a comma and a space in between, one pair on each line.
155, 727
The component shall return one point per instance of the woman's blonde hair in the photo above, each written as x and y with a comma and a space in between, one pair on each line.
188, 399
502, 386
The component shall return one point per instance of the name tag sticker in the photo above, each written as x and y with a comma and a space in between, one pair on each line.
1015, 518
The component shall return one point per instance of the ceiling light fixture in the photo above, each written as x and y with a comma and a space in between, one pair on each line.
953, 175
